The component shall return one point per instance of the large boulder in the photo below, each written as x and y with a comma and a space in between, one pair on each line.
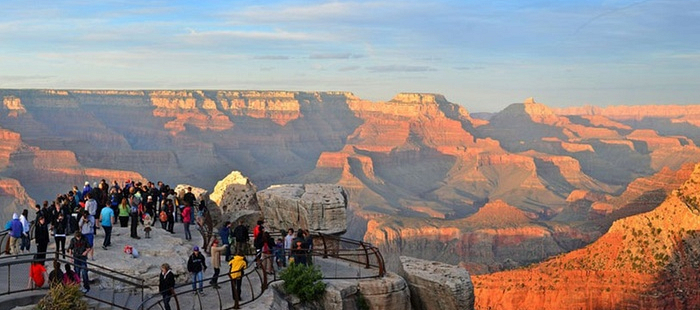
436, 285
390, 292
317, 207
233, 194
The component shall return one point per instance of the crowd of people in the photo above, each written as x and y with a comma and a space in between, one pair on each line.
81, 213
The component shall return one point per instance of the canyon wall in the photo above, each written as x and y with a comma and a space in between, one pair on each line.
421, 174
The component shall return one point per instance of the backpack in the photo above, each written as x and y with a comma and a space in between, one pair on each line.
259, 241
163, 216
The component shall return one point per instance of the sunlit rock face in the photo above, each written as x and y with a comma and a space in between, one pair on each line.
234, 194
644, 261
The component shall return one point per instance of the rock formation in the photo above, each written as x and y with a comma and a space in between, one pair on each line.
645, 261
317, 207
233, 194
436, 285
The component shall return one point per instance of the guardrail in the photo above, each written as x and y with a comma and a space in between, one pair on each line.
127, 291
336, 257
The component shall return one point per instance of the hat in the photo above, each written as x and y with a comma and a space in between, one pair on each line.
15, 216
196, 248
87, 182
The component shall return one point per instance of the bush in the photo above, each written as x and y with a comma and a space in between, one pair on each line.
61, 297
303, 281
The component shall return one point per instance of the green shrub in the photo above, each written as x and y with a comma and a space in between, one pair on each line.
303, 281
61, 297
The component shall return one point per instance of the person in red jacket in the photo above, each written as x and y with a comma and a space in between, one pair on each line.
187, 220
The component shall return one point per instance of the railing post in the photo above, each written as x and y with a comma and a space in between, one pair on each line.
366, 254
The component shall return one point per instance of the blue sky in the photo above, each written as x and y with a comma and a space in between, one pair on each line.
483, 55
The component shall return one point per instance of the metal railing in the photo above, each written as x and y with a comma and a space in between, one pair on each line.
127, 291
337, 258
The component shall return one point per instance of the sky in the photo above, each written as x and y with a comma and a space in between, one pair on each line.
483, 55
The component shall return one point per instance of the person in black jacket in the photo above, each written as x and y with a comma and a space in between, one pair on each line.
166, 284
41, 235
197, 265
240, 233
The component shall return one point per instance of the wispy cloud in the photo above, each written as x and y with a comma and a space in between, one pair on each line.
271, 57
400, 68
336, 56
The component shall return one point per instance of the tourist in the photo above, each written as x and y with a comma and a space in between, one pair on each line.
171, 215
79, 249
124, 213
41, 235
237, 266
150, 208
216, 260
86, 189
15, 234
240, 233
197, 265
189, 197
70, 277
278, 251
56, 275
186, 220
166, 284
224, 234
26, 240
91, 207
59, 234
37, 274
134, 214
106, 220
288, 242
147, 220
163, 217
299, 251
86, 226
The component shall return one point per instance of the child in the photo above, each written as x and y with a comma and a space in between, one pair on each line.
279, 253
147, 221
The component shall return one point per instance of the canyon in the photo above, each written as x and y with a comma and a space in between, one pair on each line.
423, 176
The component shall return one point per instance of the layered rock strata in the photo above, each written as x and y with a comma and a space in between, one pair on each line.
437, 285
317, 207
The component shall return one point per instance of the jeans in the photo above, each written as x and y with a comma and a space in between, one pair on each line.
108, 236
26, 242
166, 300
215, 277
81, 268
188, 235
60, 244
198, 277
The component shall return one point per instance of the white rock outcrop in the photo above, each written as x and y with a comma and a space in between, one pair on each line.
317, 207
233, 194
436, 285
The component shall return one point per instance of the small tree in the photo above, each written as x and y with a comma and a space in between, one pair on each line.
61, 297
303, 281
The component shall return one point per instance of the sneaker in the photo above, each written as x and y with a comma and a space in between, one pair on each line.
216, 286
201, 293
104, 247
83, 290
